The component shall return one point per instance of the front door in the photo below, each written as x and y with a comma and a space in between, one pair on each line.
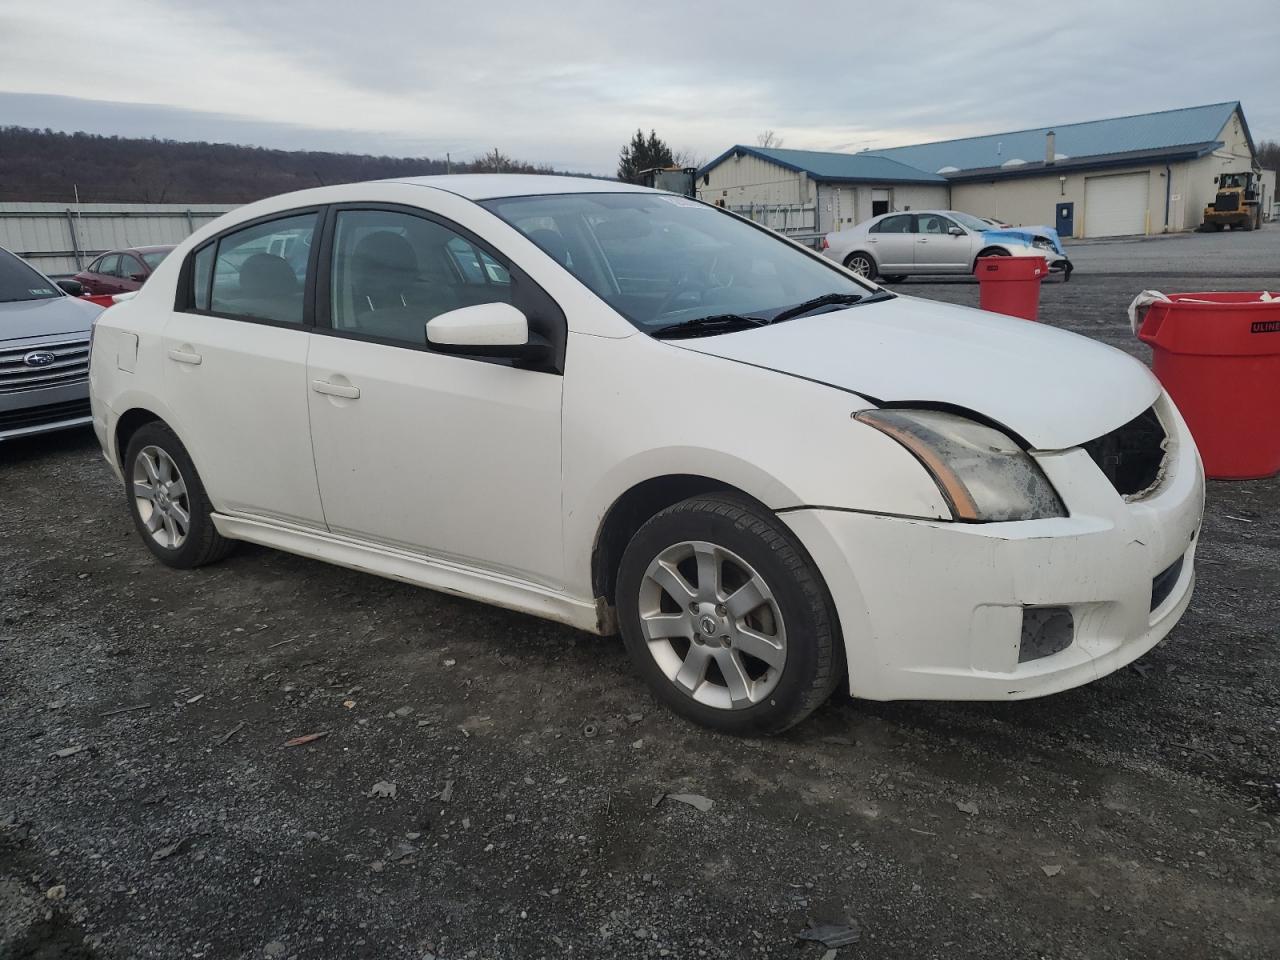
937, 250
235, 374
1066, 225
449, 456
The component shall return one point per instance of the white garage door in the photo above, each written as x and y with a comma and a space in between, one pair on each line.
1115, 206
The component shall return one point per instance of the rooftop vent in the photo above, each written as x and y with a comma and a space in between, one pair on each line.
1015, 162
948, 170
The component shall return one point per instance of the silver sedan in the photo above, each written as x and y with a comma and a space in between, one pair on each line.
897, 245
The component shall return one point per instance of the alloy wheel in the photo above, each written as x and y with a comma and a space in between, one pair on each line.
160, 495
860, 265
712, 625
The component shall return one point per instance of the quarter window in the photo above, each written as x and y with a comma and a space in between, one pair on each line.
392, 272
261, 271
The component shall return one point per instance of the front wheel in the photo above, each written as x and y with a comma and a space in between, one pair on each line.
726, 617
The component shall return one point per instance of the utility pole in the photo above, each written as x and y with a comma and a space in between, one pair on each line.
448, 164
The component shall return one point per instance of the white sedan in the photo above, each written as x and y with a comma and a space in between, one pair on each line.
626, 410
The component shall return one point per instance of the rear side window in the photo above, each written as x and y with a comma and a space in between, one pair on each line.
261, 271
201, 274
899, 224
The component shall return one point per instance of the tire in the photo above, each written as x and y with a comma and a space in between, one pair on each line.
993, 252
157, 465
663, 605
863, 264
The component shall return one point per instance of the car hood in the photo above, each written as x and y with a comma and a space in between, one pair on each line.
1022, 235
20, 319
1053, 388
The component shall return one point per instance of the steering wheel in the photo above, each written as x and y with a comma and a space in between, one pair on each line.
717, 281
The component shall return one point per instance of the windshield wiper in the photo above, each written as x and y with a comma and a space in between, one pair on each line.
826, 300
719, 322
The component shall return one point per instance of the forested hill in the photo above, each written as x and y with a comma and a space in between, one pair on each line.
45, 165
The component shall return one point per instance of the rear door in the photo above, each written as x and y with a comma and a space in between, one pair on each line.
236, 369
892, 242
937, 250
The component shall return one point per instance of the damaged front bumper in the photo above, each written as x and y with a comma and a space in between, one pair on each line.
938, 610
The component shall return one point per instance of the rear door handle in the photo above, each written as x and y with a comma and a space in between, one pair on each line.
336, 389
185, 356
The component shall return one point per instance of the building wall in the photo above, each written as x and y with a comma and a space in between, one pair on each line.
747, 179
57, 238
1031, 201
1234, 156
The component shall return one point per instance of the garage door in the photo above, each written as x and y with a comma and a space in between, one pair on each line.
1115, 206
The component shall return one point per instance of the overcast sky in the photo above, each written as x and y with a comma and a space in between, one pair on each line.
566, 83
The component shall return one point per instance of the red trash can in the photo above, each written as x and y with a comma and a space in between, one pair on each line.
1218, 355
1011, 285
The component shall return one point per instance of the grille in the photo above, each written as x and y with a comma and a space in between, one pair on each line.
1163, 583
1131, 456
1226, 202
49, 413
70, 365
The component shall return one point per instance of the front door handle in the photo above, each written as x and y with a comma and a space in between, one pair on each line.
336, 389
185, 356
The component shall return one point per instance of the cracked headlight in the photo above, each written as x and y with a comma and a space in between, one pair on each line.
1043, 243
983, 474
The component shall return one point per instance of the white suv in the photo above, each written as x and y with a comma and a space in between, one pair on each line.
624, 409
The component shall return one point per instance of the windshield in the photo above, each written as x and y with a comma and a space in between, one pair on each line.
152, 258
661, 259
19, 282
973, 223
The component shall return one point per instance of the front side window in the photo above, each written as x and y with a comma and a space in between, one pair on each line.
661, 260
261, 271
19, 282
392, 272
932, 223
109, 266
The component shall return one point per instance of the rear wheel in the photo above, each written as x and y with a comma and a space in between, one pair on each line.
167, 500
726, 617
861, 264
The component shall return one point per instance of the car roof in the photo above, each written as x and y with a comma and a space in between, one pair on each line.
489, 186
152, 248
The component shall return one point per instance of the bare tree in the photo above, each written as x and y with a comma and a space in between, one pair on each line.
767, 138
687, 158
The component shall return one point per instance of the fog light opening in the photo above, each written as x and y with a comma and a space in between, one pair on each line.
1045, 631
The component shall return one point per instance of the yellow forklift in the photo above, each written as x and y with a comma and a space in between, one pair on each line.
1236, 204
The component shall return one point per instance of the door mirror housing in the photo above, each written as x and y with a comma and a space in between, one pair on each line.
486, 330
138, 277
73, 287
955, 231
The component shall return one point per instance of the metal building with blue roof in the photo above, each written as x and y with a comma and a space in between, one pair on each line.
1134, 175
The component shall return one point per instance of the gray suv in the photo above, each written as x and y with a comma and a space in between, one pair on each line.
44, 352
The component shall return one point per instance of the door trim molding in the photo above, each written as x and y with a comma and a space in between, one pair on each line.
446, 576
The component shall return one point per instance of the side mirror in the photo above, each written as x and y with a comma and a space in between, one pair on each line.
138, 277
486, 330
73, 287
955, 231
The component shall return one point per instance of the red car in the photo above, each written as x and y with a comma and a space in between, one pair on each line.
121, 270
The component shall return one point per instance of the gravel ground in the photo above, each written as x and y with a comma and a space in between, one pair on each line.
1136, 817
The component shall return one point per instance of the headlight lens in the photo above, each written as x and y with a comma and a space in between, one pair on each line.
1042, 243
984, 475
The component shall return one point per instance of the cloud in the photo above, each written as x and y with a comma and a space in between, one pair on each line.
567, 82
